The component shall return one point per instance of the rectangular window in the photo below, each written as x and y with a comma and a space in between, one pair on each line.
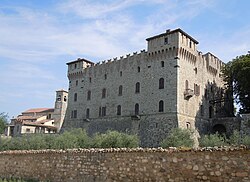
103, 111
166, 40
87, 113
75, 114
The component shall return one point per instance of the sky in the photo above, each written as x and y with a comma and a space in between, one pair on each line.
38, 38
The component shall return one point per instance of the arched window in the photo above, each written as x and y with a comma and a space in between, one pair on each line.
104, 93
119, 110
161, 83
75, 97
162, 63
89, 95
65, 98
87, 113
161, 106
136, 109
137, 87
138, 69
120, 90
186, 85
59, 98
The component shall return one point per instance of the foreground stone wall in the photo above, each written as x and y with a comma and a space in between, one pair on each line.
221, 164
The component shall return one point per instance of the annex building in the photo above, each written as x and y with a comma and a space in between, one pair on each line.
171, 84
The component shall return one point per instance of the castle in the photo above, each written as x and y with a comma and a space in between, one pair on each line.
172, 84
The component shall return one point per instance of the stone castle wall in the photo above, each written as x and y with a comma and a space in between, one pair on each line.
172, 56
126, 165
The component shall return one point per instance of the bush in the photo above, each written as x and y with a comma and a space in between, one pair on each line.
213, 140
246, 140
235, 138
178, 138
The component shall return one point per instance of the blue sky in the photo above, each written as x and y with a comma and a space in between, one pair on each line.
38, 37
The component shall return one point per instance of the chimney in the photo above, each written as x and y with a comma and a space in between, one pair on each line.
168, 30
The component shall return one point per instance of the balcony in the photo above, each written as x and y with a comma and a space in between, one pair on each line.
188, 93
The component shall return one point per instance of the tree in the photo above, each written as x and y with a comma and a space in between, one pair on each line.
3, 122
237, 75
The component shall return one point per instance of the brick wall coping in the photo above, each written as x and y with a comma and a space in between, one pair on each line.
126, 150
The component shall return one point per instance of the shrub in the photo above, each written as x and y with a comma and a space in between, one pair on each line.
235, 138
178, 138
246, 140
212, 140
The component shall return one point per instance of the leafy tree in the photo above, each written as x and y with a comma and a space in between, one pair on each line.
237, 74
178, 138
3, 122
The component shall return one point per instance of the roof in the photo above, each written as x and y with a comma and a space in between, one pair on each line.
36, 124
79, 60
62, 90
168, 32
38, 110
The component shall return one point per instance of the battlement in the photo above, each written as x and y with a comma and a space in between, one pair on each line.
213, 63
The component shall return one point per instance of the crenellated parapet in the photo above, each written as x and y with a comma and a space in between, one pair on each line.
213, 64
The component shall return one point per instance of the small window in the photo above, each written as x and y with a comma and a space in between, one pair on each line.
59, 98
104, 93
190, 44
76, 82
90, 79
119, 110
161, 106
161, 83
100, 111
166, 40
89, 95
75, 66
75, 97
202, 110
27, 130
105, 76
136, 109
188, 125
120, 73
103, 111
138, 69
186, 85
65, 99
162, 64
137, 87
87, 113
75, 113
120, 90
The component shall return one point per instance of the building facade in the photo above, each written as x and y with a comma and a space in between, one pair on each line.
40, 120
172, 84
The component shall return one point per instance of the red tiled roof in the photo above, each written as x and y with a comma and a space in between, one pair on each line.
38, 110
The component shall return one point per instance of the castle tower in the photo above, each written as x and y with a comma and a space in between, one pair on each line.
60, 108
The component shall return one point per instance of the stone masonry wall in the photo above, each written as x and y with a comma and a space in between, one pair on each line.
99, 165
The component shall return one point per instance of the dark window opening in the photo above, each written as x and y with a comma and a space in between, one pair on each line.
210, 111
119, 110
74, 114
76, 82
161, 106
161, 83
166, 40
87, 113
100, 111
75, 97
90, 79
162, 63
103, 111
65, 99
120, 90
59, 98
186, 85
137, 87
188, 125
120, 73
104, 93
138, 69
89, 95
105, 76
75, 66
136, 109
